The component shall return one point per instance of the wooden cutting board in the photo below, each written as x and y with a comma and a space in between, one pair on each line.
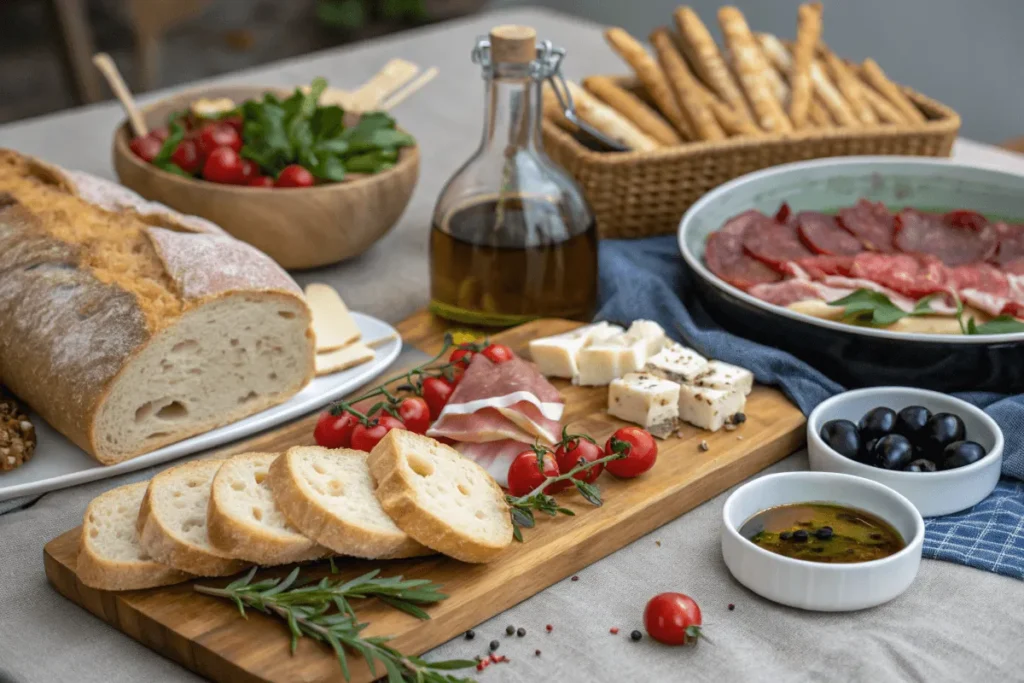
208, 635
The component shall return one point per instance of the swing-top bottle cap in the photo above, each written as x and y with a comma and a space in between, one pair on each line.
512, 44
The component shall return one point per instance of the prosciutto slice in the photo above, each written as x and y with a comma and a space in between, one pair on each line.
494, 456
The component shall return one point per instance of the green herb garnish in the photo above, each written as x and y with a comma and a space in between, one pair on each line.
867, 307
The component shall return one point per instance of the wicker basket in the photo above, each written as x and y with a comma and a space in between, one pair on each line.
641, 194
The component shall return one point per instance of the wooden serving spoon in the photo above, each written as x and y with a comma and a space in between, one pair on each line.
109, 70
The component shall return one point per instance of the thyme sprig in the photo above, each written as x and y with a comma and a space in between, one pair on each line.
321, 610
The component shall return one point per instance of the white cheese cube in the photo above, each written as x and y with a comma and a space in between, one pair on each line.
556, 356
719, 375
677, 363
709, 408
649, 331
602, 361
646, 400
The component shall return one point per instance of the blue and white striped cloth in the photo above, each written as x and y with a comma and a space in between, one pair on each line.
648, 279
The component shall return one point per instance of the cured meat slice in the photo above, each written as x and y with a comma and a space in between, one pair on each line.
737, 225
818, 267
486, 424
792, 291
869, 222
943, 305
774, 244
1015, 267
911, 275
494, 456
822, 235
725, 258
981, 277
1011, 243
955, 241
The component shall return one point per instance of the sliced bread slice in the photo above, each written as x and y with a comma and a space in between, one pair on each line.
172, 520
441, 499
328, 496
109, 555
244, 522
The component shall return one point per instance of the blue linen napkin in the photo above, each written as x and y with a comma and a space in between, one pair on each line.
648, 279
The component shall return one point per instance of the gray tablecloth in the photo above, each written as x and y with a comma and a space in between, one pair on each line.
954, 624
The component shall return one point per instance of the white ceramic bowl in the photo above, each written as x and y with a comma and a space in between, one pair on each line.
813, 585
933, 493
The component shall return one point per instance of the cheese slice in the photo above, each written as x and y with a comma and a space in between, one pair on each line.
719, 375
343, 359
333, 325
556, 356
603, 360
646, 400
677, 363
709, 408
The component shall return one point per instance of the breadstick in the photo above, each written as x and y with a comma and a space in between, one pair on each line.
684, 86
730, 120
650, 74
887, 113
708, 62
777, 53
633, 108
849, 86
831, 98
818, 114
750, 65
553, 110
874, 75
778, 84
807, 36
608, 121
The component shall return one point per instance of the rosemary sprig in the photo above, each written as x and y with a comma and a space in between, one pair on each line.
321, 610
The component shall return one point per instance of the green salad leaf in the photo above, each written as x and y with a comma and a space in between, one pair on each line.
867, 307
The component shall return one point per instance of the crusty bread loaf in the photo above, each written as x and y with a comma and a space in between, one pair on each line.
110, 556
244, 522
444, 501
129, 327
328, 495
172, 520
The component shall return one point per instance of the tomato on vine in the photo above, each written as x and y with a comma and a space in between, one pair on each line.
415, 414
436, 392
575, 448
640, 448
524, 475
364, 437
334, 431
498, 353
462, 357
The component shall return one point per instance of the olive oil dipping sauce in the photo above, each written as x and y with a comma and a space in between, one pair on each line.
507, 261
823, 532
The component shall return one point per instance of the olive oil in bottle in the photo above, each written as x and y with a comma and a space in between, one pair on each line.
513, 239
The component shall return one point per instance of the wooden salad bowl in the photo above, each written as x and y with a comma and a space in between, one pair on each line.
297, 227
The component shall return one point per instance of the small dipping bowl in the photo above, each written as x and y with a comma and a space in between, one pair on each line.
933, 493
815, 585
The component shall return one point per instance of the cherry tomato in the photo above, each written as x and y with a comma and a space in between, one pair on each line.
568, 456
235, 122
161, 134
186, 156
250, 170
334, 431
365, 438
261, 181
415, 413
461, 356
146, 147
498, 353
214, 135
294, 176
673, 619
457, 376
223, 166
643, 452
436, 392
523, 475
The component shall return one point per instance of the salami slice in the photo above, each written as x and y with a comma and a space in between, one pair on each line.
822, 235
954, 244
786, 293
1015, 267
981, 277
869, 222
818, 267
725, 258
774, 244
738, 225
911, 275
1011, 242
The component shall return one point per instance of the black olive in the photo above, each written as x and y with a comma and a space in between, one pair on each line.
876, 423
636, 635
470, 634
942, 430
892, 452
911, 421
866, 452
799, 535
510, 630
961, 453
824, 533
520, 631
842, 437
494, 645
920, 465
786, 535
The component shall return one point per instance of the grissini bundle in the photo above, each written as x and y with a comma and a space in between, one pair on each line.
887, 112
750, 66
849, 85
801, 88
684, 85
873, 74
608, 121
834, 101
633, 108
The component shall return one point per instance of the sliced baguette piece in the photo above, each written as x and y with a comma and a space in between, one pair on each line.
328, 495
441, 499
172, 520
244, 522
109, 555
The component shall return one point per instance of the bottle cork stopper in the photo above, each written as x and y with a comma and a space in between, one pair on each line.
513, 44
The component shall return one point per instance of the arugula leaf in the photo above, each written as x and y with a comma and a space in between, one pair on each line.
329, 168
1003, 324
176, 135
172, 167
869, 307
328, 122
371, 162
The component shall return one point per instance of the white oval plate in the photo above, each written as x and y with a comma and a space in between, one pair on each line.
58, 463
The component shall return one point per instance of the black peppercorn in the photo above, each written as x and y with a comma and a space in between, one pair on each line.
739, 418
470, 634
495, 645
521, 632
510, 630
536, 653
731, 607
636, 635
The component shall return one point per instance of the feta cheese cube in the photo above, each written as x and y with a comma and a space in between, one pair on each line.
602, 361
646, 400
677, 363
709, 408
650, 331
556, 356
719, 375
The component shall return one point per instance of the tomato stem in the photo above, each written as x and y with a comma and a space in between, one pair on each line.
568, 475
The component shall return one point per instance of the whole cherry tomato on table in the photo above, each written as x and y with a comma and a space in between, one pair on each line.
214, 135
462, 357
436, 392
673, 619
186, 156
335, 431
524, 476
498, 353
415, 413
568, 455
641, 448
223, 166
365, 438
261, 181
146, 147
294, 176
